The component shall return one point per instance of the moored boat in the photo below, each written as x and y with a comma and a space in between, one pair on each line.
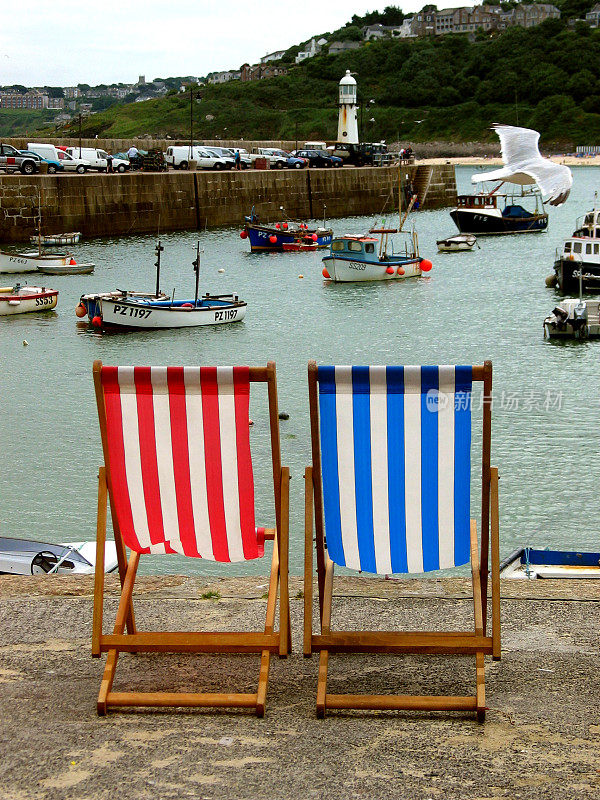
580, 253
30, 557
56, 239
484, 215
527, 562
363, 257
301, 244
30, 262
89, 304
24, 299
67, 269
458, 243
272, 236
137, 312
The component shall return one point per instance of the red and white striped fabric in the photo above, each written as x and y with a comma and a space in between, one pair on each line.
180, 462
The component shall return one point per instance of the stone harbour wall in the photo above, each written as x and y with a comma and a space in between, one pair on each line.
134, 203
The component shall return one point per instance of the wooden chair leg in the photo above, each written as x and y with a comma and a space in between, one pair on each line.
480, 686
99, 568
308, 561
495, 554
283, 542
325, 629
478, 611
120, 622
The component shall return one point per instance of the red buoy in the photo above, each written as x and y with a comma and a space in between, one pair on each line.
243, 234
72, 262
326, 274
273, 239
97, 322
284, 226
400, 270
277, 225
390, 270
426, 265
314, 237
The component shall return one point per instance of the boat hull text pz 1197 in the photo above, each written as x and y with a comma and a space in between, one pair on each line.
143, 313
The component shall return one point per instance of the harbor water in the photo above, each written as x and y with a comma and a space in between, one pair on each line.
486, 304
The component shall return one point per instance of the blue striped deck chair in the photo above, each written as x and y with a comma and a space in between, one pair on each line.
389, 492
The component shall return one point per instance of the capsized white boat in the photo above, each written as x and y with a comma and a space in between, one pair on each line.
458, 243
23, 299
56, 239
31, 262
527, 562
30, 557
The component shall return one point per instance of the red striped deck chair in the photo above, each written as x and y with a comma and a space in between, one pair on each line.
390, 489
178, 471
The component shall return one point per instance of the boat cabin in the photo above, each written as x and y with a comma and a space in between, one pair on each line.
477, 201
589, 226
355, 246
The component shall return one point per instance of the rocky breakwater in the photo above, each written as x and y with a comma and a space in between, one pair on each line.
122, 204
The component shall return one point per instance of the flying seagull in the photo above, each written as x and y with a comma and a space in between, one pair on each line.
524, 165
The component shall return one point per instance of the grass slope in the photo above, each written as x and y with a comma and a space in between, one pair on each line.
439, 88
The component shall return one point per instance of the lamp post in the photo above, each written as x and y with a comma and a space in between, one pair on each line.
369, 104
80, 117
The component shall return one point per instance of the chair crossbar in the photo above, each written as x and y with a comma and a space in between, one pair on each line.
182, 699
196, 642
384, 702
454, 642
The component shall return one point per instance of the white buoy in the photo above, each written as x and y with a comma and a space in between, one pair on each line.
25, 342
221, 270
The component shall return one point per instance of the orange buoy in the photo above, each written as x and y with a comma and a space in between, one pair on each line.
426, 265
81, 310
400, 270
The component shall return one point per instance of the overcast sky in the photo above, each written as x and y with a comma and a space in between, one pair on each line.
65, 42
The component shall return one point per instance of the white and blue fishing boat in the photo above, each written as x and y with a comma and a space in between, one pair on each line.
159, 312
272, 236
364, 257
527, 562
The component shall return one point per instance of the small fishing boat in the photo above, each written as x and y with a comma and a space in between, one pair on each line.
362, 257
30, 557
272, 236
487, 214
300, 245
67, 269
56, 239
31, 262
580, 254
527, 562
89, 304
458, 243
19, 299
574, 318
152, 313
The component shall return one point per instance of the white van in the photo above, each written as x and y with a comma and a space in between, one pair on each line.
179, 157
98, 158
71, 164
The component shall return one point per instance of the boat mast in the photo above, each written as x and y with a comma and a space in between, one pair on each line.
40, 223
196, 264
158, 251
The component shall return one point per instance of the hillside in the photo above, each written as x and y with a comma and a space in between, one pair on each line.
437, 88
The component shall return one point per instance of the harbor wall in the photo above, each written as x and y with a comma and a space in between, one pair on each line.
134, 203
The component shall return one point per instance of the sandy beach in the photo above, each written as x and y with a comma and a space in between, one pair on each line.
493, 161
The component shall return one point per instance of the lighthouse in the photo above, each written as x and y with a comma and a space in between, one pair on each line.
348, 116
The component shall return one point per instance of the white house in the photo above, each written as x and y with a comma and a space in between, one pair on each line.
272, 56
313, 48
223, 77
593, 16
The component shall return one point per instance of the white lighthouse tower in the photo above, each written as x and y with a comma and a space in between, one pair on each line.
348, 116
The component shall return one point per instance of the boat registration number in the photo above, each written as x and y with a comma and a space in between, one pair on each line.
16, 260
140, 313
44, 301
227, 314
355, 265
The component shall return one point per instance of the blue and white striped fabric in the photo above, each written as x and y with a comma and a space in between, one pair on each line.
396, 466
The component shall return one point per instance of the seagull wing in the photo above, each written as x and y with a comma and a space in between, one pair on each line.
524, 165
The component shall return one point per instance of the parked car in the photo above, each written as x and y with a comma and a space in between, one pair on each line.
71, 163
53, 166
280, 159
318, 158
179, 156
12, 160
224, 153
98, 159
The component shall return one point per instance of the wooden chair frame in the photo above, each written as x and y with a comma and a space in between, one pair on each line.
127, 638
475, 642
